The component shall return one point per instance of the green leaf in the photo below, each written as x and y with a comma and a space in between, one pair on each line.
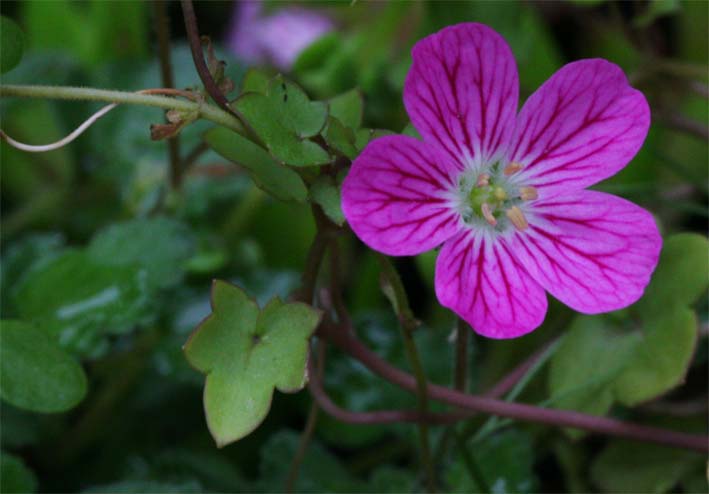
159, 245
37, 374
274, 178
285, 118
246, 353
15, 476
364, 136
11, 44
505, 461
660, 361
598, 364
340, 138
327, 194
680, 277
80, 301
347, 108
590, 356
631, 467
255, 81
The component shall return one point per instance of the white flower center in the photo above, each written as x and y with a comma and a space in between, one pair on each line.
488, 199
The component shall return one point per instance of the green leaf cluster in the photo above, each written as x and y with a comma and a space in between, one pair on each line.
293, 130
81, 296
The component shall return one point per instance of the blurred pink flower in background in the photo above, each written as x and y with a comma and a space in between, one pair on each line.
275, 39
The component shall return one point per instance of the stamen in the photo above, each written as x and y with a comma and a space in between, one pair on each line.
527, 193
483, 180
500, 194
513, 167
487, 214
517, 218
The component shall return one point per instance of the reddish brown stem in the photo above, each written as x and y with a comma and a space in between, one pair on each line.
198, 56
345, 340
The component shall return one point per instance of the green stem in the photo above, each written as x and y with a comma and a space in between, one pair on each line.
460, 382
408, 324
205, 110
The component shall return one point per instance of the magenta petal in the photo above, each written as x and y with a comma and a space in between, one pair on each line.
395, 196
583, 125
480, 281
593, 251
462, 91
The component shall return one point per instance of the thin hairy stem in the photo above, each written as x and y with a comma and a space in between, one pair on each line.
204, 110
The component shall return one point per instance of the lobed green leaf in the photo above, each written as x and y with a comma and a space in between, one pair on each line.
284, 119
246, 354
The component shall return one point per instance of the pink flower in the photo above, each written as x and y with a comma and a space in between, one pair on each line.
505, 192
277, 39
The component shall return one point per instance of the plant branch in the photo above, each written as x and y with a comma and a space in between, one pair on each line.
198, 56
206, 111
315, 386
394, 288
345, 340
310, 423
162, 29
306, 292
335, 289
213, 90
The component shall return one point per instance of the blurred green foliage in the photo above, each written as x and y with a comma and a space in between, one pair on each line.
112, 267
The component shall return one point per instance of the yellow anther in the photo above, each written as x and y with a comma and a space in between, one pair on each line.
517, 218
513, 167
528, 193
500, 194
487, 214
483, 180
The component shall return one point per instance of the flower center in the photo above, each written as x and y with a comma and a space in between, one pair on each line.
489, 199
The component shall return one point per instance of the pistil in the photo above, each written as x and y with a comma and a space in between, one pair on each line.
487, 214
